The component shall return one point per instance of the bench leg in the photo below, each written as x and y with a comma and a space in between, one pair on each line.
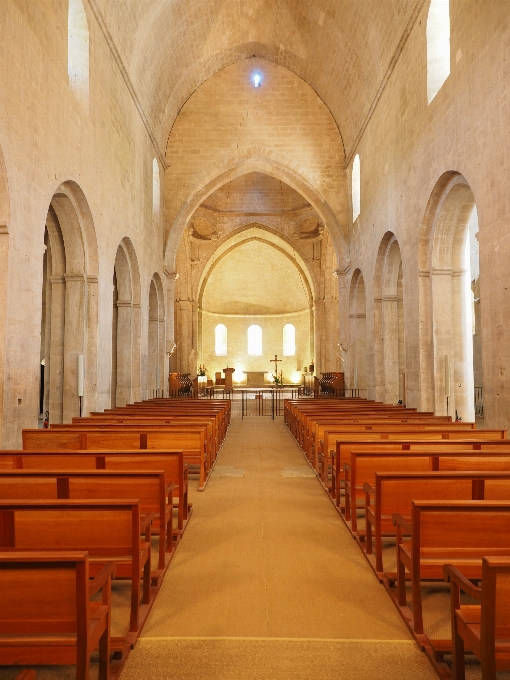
417, 609
104, 653
459, 671
401, 581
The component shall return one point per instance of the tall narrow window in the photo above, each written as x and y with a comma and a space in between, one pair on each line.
438, 46
255, 341
78, 52
220, 340
356, 188
156, 190
289, 340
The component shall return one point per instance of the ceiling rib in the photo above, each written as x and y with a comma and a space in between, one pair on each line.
125, 76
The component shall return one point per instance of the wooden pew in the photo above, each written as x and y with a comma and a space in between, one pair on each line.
171, 462
108, 530
151, 488
47, 616
371, 442
394, 430
324, 433
393, 493
447, 532
363, 467
191, 442
483, 629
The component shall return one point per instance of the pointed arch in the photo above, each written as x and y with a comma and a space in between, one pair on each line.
262, 160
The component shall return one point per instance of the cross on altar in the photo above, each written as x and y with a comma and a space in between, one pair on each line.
275, 361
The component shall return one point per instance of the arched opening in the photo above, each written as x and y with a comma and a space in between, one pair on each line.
69, 306
389, 325
153, 343
451, 242
289, 340
357, 332
254, 341
125, 382
78, 52
220, 340
438, 46
356, 188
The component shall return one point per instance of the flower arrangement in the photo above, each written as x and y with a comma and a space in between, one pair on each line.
277, 378
201, 370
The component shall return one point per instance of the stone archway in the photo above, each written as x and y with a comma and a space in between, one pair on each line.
389, 336
69, 305
255, 280
125, 382
450, 297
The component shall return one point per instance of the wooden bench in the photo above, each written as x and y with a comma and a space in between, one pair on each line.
447, 532
483, 629
325, 433
108, 530
47, 616
151, 488
171, 462
363, 467
393, 430
393, 493
116, 439
371, 442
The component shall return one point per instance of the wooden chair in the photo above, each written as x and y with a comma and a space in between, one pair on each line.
483, 629
46, 613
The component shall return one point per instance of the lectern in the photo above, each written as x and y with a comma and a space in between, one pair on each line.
228, 378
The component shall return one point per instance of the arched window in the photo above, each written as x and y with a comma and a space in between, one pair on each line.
289, 340
438, 46
356, 188
220, 340
156, 189
255, 341
78, 52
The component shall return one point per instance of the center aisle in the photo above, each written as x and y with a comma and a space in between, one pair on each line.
268, 583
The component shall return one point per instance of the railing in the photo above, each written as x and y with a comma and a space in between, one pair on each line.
265, 402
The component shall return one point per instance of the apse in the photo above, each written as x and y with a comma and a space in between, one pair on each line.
256, 298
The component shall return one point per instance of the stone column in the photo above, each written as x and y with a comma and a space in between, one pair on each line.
185, 334
74, 317
441, 286
124, 352
56, 328
90, 360
390, 348
169, 363
343, 313
135, 352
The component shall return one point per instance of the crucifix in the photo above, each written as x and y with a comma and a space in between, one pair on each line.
275, 361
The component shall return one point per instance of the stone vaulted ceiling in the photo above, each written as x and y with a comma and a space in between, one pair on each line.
342, 48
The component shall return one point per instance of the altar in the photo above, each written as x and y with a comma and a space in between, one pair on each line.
256, 379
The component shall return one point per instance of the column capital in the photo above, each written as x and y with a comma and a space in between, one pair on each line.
172, 276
